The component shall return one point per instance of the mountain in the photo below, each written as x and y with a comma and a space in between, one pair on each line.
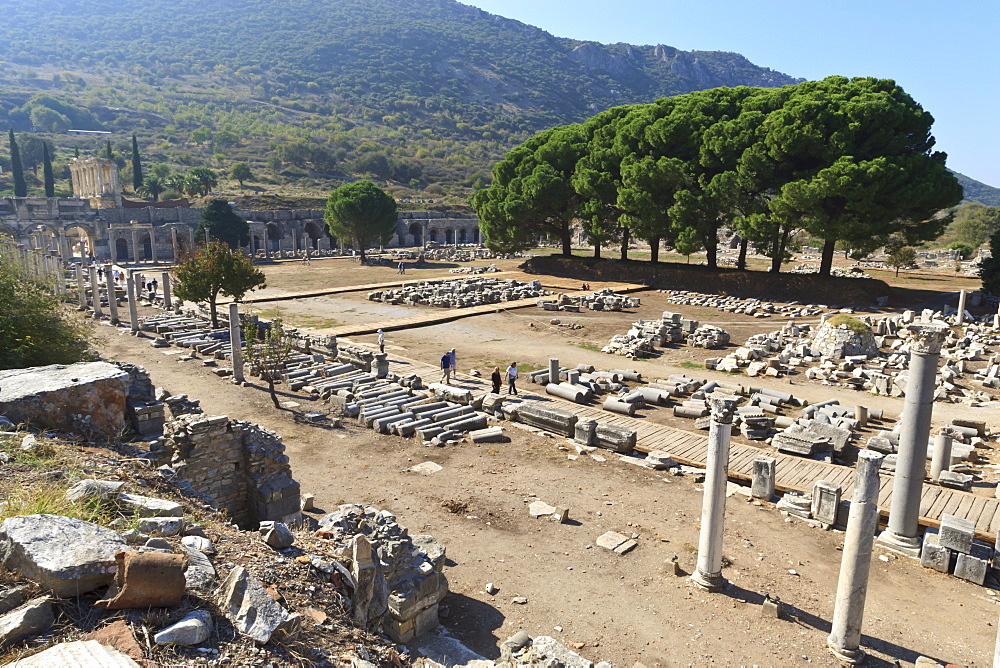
430, 90
976, 191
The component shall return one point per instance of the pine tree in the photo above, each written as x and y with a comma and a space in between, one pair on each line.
17, 168
47, 176
136, 165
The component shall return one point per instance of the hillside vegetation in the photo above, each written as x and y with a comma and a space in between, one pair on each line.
427, 93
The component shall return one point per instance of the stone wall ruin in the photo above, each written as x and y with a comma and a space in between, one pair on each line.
241, 466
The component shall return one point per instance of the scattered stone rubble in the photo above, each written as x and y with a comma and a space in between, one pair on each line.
459, 293
645, 337
190, 327
301, 591
602, 300
400, 576
755, 307
953, 549
489, 269
841, 272
877, 359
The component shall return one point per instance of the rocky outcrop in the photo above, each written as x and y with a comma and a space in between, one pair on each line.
87, 398
595, 57
65, 555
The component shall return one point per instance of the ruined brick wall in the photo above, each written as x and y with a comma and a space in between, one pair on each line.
241, 466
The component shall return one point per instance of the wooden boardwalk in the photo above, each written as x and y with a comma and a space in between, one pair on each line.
791, 472
430, 315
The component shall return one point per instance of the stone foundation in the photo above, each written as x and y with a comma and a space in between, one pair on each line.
241, 466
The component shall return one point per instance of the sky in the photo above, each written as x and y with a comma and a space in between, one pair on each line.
944, 53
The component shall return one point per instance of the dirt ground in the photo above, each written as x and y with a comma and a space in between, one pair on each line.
621, 609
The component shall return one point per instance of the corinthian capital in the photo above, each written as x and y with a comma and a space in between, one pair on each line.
722, 410
926, 339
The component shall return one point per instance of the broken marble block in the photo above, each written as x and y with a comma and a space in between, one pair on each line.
956, 533
64, 555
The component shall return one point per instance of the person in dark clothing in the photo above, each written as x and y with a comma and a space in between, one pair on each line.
497, 380
446, 368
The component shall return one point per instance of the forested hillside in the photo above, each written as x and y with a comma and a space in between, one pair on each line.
427, 93
977, 191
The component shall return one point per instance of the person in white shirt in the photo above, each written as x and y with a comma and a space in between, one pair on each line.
511, 378
381, 341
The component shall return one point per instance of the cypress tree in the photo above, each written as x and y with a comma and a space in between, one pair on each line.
77, 150
107, 151
136, 165
47, 176
16, 167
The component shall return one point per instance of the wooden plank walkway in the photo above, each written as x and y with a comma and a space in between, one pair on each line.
359, 288
791, 472
430, 315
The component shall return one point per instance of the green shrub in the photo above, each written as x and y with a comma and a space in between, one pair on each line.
35, 327
848, 321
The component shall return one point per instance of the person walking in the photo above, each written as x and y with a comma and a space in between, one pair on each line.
446, 368
512, 378
381, 341
401, 269
497, 380
454, 365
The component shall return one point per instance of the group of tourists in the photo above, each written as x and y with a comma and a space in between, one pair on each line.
449, 366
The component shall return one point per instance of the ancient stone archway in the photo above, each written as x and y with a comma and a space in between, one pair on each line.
461, 236
417, 233
475, 236
121, 250
274, 236
433, 235
147, 247
79, 240
449, 236
315, 234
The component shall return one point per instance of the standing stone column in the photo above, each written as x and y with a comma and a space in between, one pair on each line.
109, 280
190, 237
708, 573
152, 244
133, 310
941, 456
175, 251
553, 370
113, 247
852, 585
911, 460
135, 247
168, 303
95, 290
81, 289
963, 297
236, 342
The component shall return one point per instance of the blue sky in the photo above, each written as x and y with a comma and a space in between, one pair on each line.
943, 53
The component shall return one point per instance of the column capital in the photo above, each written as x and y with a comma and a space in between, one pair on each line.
926, 339
722, 410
